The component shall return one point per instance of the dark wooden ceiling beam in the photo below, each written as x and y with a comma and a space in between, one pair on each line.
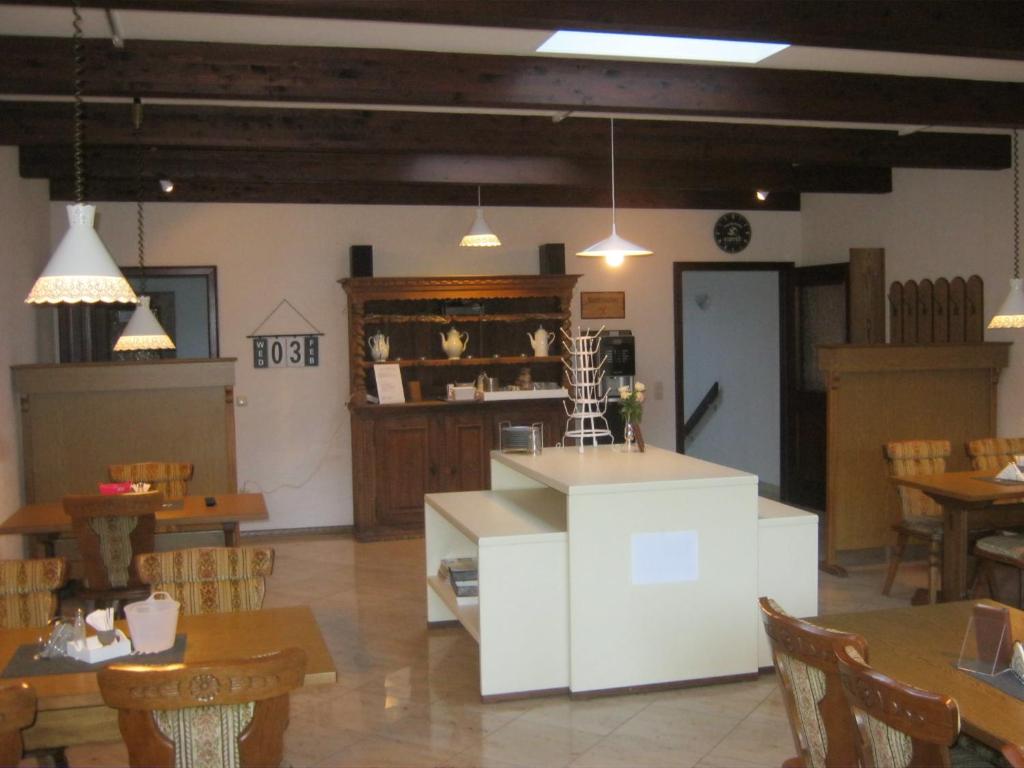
41, 66
212, 190
950, 27
41, 123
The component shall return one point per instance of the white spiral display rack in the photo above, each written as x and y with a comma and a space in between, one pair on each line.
585, 373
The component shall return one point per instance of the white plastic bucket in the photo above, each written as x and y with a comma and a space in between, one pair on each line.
153, 622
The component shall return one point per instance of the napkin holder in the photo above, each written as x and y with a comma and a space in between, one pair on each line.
1011, 473
92, 650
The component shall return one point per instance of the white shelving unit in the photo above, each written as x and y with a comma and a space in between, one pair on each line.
522, 620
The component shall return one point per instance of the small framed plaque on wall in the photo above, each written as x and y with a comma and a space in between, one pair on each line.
602, 304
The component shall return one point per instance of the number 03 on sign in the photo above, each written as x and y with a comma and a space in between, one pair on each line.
285, 351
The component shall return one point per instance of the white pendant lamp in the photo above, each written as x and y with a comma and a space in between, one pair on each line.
81, 269
143, 331
1011, 313
613, 248
479, 235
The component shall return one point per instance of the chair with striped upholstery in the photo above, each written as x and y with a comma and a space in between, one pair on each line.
210, 579
819, 717
17, 712
28, 591
167, 476
994, 452
229, 714
921, 516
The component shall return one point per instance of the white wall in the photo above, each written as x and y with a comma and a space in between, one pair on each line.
295, 430
24, 232
734, 340
933, 224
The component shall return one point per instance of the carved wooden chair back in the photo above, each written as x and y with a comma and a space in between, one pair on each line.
168, 476
819, 717
237, 710
994, 452
110, 530
210, 579
28, 591
17, 711
899, 726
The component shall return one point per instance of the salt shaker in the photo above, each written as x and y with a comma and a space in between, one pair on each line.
79, 634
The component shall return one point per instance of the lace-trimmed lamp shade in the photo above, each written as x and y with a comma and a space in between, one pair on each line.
143, 331
1011, 312
81, 269
480, 235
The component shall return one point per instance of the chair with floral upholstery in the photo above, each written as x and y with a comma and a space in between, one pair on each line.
899, 726
210, 579
167, 476
819, 717
110, 531
28, 591
921, 516
17, 711
994, 452
231, 714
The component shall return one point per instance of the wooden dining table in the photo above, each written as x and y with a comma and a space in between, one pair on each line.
920, 645
71, 710
970, 501
45, 522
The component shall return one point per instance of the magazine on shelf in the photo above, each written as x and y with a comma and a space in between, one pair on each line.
462, 567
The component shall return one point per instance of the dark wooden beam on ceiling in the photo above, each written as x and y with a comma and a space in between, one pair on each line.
951, 27
489, 170
41, 66
36, 122
198, 191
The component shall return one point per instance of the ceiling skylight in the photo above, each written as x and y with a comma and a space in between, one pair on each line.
616, 45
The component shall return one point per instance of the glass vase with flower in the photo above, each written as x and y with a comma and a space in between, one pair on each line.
631, 404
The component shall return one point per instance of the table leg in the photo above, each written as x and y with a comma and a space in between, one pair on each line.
232, 534
954, 553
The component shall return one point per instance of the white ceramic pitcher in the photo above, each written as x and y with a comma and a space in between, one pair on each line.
380, 347
455, 343
541, 341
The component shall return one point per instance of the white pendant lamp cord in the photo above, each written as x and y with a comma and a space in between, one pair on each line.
479, 199
79, 59
140, 215
1016, 206
613, 175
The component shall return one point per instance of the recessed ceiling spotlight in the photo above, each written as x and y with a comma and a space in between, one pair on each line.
617, 45
762, 194
167, 186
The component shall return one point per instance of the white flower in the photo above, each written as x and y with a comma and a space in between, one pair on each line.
640, 386
624, 392
639, 396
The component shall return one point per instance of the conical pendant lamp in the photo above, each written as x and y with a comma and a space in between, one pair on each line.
143, 331
480, 235
613, 248
81, 269
1011, 313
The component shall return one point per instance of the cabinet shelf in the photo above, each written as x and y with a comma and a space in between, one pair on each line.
463, 362
452, 319
468, 615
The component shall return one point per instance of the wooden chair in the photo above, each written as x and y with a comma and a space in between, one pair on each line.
1004, 549
28, 591
17, 711
994, 452
110, 530
921, 516
236, 710
819, 717
167, 476
899, 726
210, 579
1014, 755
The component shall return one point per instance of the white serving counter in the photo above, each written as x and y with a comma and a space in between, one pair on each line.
602, 570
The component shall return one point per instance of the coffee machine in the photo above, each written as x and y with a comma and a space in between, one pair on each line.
619, 349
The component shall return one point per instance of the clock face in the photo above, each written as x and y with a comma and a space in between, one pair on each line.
732, 232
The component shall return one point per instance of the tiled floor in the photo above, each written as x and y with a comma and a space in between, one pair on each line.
408, 696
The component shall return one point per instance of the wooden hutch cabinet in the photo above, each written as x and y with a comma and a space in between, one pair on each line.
402, 451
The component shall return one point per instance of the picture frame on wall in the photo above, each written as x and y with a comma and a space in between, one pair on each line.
610, 305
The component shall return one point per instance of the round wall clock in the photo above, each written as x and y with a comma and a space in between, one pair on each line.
732, 232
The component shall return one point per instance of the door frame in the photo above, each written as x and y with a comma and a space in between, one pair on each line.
787, 326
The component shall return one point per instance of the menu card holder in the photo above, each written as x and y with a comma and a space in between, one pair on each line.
987, 647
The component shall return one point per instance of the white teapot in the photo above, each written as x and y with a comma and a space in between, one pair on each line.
380, 347
455, 343
541, 341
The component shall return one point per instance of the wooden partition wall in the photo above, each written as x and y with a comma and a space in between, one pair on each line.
879, 393
76, 418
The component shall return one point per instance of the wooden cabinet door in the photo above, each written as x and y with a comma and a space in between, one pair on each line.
467, 442
408, 464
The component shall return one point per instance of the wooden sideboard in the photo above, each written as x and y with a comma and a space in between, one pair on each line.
402, 451
76, 418
879, 393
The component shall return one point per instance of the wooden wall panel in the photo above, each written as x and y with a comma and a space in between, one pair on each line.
881, 393
78, 418
867, 296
